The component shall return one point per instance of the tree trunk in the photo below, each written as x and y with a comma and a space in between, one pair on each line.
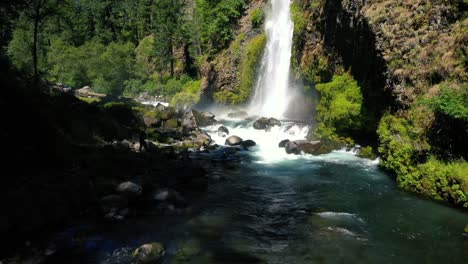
35, 35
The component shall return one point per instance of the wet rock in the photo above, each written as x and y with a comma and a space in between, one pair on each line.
233, 141
246, 144
308, 147
283, 143
274, 122
204, 118
261, 123
266, 123
129, 189
223, 131
149, 253
298, 146
230, 150
292, 148
238, 114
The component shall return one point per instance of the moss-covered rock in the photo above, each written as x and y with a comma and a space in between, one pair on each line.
367, 153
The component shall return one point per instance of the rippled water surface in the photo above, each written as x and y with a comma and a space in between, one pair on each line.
334, 208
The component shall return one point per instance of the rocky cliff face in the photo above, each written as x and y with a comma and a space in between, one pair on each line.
222, 73
397, 50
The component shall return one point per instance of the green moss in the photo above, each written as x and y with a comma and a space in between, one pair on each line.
257, 17
250, 60
298, 17
89, 100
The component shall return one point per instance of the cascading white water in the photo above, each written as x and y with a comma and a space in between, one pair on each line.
271, 93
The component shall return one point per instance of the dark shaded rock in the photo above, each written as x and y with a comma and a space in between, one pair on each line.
298, 146
114, 206
121, 145
292, 148
261, 123
129, 189
266, 123
308, 147
238, 114
283, 143
149, 253
274, 122
233, 141
204, 118
223, 131
170, 196
246, 144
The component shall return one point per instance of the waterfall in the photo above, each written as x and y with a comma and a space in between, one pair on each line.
271, 96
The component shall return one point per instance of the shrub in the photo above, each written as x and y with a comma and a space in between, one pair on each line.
451, 102
189, 96
339, 108
257, 17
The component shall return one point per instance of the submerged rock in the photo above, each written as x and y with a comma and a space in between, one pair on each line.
246, 144
233, 141
230, 150
149, 253
223, 131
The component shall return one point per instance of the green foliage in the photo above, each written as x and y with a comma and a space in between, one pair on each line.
189, 95
297, 16
250, 60
257, 17
105, 68
218, 19
443, 181
367, 152
318, 71
451, 102
339, 108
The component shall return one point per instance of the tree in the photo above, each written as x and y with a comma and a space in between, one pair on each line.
38, 11
168, 30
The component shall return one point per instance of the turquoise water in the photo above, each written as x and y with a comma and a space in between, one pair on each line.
263, 206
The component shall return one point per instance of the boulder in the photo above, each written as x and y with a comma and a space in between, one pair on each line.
129, 189
164, 112
149, 253
298, 146
233, 141
202, 139
261, 123
266, 123
246, 144
309, 147
274, 122
238, 114
292, 148
283, 143
189, 122
172, 123
121, 145
204, 118
223, 131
